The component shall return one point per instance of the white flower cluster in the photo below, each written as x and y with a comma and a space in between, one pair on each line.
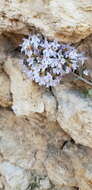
46, 61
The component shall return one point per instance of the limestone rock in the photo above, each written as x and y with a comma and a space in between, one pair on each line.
33, 150
36, 149
16, 177
5, 97
75, 114
50, 105
27, 97
82, 164
66, 188
27, 144
60, 170
54, 18
25, 140
5, 46
5, 94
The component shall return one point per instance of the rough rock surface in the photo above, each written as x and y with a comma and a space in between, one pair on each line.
37, 153
75, 113
54, 18
27, 97
82, 164
45, 134
5, 98
25, 147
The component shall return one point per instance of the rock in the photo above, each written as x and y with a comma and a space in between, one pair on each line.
27, 97
33, 148
5, 46
75, 113
66, 188
20, 16
50, 105
81, 158
26, 141
60, 170
5, 97
30, 148
17, 178
37, 124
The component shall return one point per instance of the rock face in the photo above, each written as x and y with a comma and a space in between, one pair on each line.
75, 114
26, 96
26, 146
54, 18
5, 98
82, 164
45, 134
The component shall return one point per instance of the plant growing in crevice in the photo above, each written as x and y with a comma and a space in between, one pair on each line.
47, 61
38, 181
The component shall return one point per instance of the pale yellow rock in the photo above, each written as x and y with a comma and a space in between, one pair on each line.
60, 170
65, 188
25, 145
27, 97
26, 139
34, 149
68, 21
81, 158
17, 178
5, 94
50, 105
75, 114
5, 97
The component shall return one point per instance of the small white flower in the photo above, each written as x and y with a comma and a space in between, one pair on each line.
68, 70
35, 41
63, 61
74, 66
73, 54
86, 72
30, 74
25, 45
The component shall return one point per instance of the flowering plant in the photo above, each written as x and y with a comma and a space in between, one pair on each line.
47, 61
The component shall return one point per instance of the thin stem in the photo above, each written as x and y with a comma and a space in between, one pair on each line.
82, 79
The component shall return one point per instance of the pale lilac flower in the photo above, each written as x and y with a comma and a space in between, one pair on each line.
86, 72
73, 54
25, 45
74, 66
63, 61
68, 70
35, 41
47, 61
